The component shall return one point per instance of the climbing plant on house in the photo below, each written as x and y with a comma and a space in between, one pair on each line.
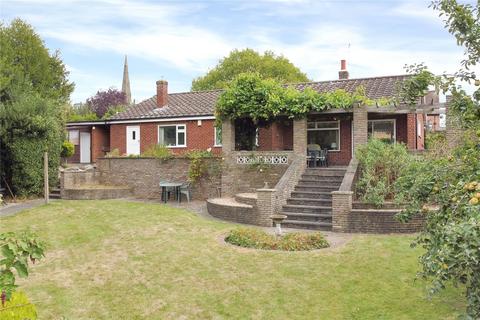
262, 100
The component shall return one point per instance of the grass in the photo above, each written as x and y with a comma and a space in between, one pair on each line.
126, 260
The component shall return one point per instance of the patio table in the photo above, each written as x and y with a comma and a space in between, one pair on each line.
165, 185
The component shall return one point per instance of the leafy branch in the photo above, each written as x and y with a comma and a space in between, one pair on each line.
16, 250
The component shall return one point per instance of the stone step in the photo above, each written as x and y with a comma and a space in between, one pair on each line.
311, 195
315, 177
314, 188
338, 172
307, 225
310, 202
54, 193
296, 208
319, 183
315, 217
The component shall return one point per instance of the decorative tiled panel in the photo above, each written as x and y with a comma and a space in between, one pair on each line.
268, 159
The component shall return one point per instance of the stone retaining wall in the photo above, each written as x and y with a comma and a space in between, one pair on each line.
241, 213
96, 193
144, 174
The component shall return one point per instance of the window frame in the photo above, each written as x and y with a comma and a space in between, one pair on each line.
337, 128
78, 136
215, 142
393, 120
184, 130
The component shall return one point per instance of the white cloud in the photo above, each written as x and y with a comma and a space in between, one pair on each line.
173, 34
418, 10
158, 32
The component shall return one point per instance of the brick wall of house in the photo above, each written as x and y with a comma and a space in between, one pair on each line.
277, 136
199, 136
100, 141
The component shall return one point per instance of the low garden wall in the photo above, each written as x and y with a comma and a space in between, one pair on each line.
144, 174
364, 218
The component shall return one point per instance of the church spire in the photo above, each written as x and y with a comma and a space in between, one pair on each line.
126, 83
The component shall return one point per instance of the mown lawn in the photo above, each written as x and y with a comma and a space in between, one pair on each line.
126, 260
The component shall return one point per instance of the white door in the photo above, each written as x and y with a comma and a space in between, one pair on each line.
133, 140
84, 147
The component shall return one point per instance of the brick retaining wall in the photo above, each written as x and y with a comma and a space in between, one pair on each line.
380, 221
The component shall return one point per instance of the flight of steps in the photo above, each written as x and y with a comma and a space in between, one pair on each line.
55, 193
310, 204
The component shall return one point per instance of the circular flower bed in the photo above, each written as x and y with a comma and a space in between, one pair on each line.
258, 239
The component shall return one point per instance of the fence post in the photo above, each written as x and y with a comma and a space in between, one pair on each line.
45, 176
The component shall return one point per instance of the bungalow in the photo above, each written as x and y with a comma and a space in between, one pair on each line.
186, 121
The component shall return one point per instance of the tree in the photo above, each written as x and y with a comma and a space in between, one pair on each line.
268, 65
451, 238
102, 101
34, 89
27, 65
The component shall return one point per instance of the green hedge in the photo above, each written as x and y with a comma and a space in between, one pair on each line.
27, 164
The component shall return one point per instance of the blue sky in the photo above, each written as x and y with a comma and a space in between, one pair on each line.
180, 40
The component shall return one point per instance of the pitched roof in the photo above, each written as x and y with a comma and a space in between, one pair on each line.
202, 103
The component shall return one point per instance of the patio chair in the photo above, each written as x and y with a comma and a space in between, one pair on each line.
185, 189
323, 157
313, 151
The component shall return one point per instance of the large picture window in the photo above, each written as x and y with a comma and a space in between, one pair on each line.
172, 136
325, 134
382, 129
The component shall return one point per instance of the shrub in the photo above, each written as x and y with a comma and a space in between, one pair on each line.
434, 138
18, 308
82, 117
29, 126
198, 167
113, 153
158, 151
67, 149
258, 239
380, 165
27, 172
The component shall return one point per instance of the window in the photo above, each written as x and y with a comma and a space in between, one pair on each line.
218, 137
382, 129
73, 137
172, 136
326, 134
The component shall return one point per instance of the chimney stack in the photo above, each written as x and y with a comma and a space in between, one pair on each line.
343, 73
162, 93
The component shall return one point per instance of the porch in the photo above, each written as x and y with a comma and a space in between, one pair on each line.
261, 181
